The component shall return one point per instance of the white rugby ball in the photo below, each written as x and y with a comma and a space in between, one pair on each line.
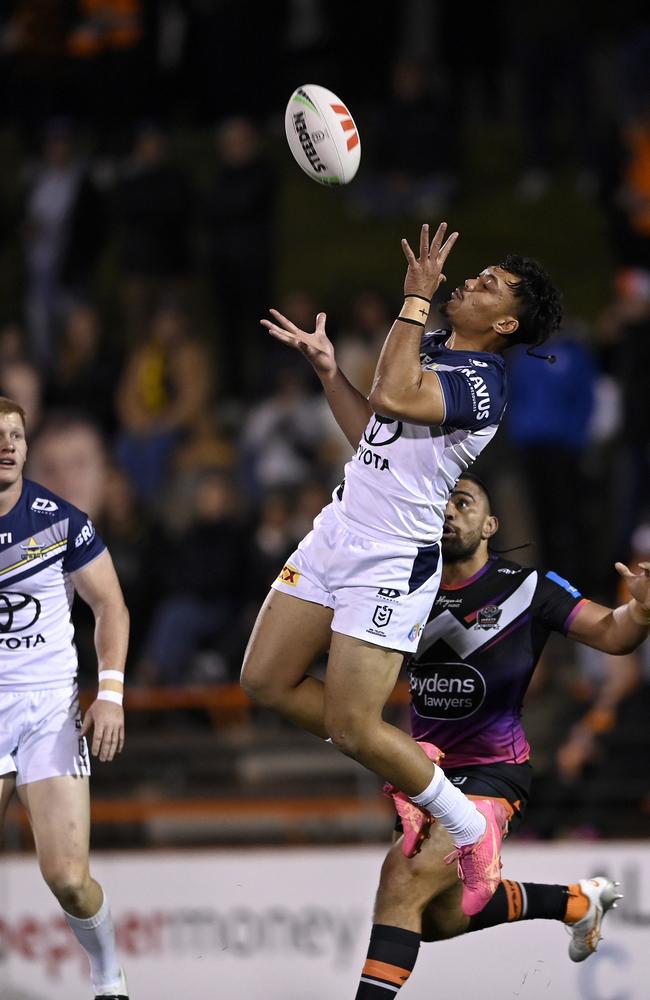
322, 135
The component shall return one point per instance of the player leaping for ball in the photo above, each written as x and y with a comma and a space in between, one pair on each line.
363, 580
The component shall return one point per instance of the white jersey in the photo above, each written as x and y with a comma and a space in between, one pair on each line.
398, 483
42, 540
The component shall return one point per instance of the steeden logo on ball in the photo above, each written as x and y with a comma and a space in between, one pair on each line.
322, 135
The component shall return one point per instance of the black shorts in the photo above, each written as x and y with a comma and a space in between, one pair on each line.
493, 781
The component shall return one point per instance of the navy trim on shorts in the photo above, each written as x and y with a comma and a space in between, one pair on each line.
424, 566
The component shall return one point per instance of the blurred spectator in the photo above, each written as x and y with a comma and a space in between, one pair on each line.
282, 434
410, 172
33, 38
21, 380
153, 210
86, 369
626, 187
602, 761
625, 157
69, 456
64, 229
126, 527
165, 385
272, 537
13, 343
548, 420
555, 74
111, 72
240, 216
360, 340
624, 328
310, 499
200, 575
205, 445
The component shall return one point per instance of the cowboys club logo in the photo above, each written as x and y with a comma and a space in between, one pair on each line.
11, 604
382, 433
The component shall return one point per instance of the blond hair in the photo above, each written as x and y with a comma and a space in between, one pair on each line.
8, 406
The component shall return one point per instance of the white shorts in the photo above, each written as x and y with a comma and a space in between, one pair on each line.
379, 592
40, 735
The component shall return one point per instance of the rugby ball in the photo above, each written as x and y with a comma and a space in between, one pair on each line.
322, 135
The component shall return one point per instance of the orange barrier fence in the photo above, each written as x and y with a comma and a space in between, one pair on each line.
224, 702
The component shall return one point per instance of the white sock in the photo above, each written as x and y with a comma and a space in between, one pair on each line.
452, 809
96, 935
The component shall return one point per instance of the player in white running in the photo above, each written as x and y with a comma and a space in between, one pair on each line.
363, 580
48, 551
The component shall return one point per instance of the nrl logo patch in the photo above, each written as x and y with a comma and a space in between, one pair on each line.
382, 616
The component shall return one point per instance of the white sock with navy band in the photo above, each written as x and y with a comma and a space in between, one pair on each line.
96, 935
452, 809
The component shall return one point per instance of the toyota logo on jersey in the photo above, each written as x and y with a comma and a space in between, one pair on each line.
383, 432
12, 605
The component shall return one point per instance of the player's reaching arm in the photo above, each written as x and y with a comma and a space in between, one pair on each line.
97, 584
351, 409
401, 389
617, 630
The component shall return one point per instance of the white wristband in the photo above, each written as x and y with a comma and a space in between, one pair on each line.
111, 675
110, 696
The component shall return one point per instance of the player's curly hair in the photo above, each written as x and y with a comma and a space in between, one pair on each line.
539, 301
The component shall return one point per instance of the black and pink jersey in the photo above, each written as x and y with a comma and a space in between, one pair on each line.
476, 656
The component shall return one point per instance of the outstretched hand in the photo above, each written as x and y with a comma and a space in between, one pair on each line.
424, 273
316, 346
638, 584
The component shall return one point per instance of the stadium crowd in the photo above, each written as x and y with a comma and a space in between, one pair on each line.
138, 257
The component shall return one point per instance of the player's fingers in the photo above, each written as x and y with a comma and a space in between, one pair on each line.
622, 569
439, 237
408, 253
120, 740
424, 241
320, 322
86, 725
280, 334
285, 321
109, 745
98, 738
645, 567
447, 246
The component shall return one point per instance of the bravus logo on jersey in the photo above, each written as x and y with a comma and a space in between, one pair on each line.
447, 690
480, 394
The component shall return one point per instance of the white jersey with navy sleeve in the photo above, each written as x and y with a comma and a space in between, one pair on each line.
42, 540
398, 482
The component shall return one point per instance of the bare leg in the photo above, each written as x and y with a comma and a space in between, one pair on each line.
288, 637
7, 788
360, 678
59, 813
409, 886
